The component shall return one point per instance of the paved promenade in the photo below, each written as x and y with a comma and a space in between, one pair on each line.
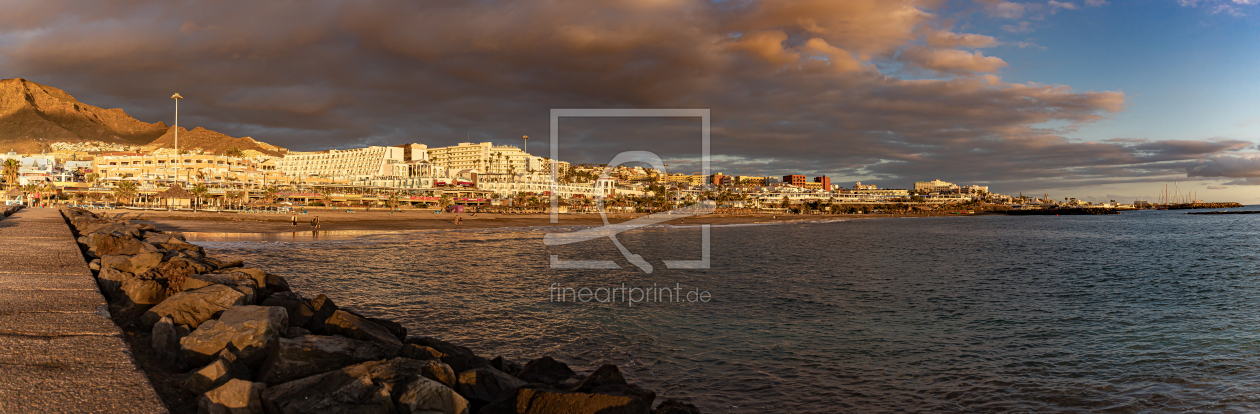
59, 351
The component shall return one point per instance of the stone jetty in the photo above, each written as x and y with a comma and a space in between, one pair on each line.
59, 351
216, 336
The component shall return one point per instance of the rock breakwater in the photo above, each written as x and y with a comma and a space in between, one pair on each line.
216, 336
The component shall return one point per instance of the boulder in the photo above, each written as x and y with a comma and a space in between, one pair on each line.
192, 307
423, 395
175, 272
165, 340
111, 280
294, 332
608, 374
322, 308
134, 264
234, 397
220, 264
250, 329
350, 325
504, 365
224, 368
676, 407
170, 242
421, 352
259, 275
95, 265
115, 244
239, 281
107, 227
546, 370
145, 290
277, 284
304, 356
483, 385
373, 386
336, 392
394, 328
458, 357
540, 399
295, 305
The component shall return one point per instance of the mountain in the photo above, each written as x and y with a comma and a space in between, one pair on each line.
32, 116
209, 140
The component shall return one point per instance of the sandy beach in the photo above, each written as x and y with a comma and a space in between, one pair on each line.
359, 221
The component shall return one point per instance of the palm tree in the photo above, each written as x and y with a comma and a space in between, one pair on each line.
198, 193
445, 201
124, 190
11, 167
270, 194
92, 178
326, 195
29, 189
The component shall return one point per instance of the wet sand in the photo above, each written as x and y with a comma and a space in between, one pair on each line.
340, 224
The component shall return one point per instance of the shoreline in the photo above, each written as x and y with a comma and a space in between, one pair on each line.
377, 221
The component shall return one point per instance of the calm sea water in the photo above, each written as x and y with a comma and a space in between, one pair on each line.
1141, 312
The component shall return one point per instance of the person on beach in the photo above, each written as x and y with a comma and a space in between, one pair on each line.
295, 220
459, 220
315, 222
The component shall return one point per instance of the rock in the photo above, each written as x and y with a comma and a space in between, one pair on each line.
165, 340
510, 367
546, 370
111, 280
234, 397
259, 275
145, 291
608, 374
421, 352
169, 242
483, 385
349, 325
225, 367
115, 243
458, 357
368, 387
299, 311
239, 281
395, 328
175, 272
423, 395
134, 264
334, 392
106, 227
442, 346
294, 332
540, 399
220, 264
322, 308
277, 284
95, 265
675, 407
250, 329
608, 380
304, 356
192, 307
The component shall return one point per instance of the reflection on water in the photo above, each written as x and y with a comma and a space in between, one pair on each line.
1141, 312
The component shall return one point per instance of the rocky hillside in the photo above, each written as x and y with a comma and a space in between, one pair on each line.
212, 141
33, 116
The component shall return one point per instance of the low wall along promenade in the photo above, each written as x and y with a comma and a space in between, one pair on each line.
212, 335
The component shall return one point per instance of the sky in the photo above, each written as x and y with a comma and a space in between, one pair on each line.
1084, 98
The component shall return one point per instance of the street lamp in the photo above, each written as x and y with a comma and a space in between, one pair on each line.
526, 138
179, 161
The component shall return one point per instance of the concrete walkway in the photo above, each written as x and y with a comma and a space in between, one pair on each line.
59, 351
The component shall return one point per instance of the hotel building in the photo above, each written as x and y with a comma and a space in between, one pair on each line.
372, 161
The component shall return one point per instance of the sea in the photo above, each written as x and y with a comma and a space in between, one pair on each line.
1146, 311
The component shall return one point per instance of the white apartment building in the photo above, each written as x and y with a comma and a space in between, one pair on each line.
372, 161
934, 185
485, 158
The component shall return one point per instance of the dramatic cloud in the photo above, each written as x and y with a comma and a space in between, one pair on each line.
952, 61
857, 88
1246, 168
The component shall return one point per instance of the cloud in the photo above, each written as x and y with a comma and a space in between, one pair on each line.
1003, 9
1230, 7
861, 88
1216, 187
946, 39
1096, 3
952, 61
1056, 5
1022, 27
1230, 166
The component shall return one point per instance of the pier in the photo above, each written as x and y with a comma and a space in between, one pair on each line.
59, 350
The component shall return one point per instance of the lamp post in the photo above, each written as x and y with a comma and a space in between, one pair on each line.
180, 162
